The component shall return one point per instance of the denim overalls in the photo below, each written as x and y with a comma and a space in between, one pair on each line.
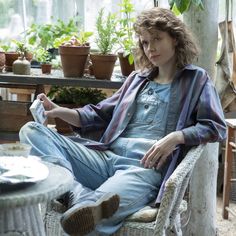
147, 124
117, 170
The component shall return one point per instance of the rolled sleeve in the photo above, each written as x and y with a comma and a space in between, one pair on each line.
191, 136
210, 124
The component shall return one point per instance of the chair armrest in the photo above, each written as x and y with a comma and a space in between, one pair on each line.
174, 190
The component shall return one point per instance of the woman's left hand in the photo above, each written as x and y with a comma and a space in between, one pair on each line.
156, 156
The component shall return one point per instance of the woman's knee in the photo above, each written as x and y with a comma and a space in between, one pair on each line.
30, 129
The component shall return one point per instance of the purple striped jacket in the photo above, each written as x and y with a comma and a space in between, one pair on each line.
194, 108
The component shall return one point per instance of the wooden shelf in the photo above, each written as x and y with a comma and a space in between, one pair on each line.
37, 81
56, 78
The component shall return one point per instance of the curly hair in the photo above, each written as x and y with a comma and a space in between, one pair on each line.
164, 20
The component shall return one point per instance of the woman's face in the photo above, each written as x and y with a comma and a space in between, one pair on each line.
158, 46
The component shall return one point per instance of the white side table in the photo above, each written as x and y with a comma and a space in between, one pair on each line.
19, 209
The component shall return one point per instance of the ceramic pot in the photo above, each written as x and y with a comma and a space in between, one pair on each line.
29, 56
2, 60
73, 60
103, 65
125, 67
21, 66
10, 58
46, 68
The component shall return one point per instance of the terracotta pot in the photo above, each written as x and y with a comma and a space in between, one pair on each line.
46, 68
73, 60
103, 65
2, 60
62, 127
90, 69
10, 58
126, 68
29, 56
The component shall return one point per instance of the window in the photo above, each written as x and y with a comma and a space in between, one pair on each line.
17, 15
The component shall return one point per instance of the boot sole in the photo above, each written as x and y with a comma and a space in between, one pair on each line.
80, 221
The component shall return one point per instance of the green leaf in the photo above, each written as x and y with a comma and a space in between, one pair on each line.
182, 5
32, 40
175, 10
131, 59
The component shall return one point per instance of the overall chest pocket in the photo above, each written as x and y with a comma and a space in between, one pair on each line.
161, 114
146, 109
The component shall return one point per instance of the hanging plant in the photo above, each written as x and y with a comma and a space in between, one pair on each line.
180, 6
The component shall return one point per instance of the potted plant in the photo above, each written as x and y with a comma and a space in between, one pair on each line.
23, 49
73, 97
10, 56
106, 38
2, 58
21, 66
74, 53
44, 58
126, 37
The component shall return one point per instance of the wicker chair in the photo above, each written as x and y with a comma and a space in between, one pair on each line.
167, 219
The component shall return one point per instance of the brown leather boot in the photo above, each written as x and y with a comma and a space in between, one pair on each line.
75, 195
82, 218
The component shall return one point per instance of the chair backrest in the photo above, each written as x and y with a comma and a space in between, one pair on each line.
174, 191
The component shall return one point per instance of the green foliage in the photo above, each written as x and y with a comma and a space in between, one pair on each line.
45, 34
5, 47
41, 35
75, 95
126, 32
61, 40
80, 39
15, 46
21, 47
60, 28
107, 36
42, 55
180, 6
84, 36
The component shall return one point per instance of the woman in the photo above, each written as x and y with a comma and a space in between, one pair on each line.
149, 124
